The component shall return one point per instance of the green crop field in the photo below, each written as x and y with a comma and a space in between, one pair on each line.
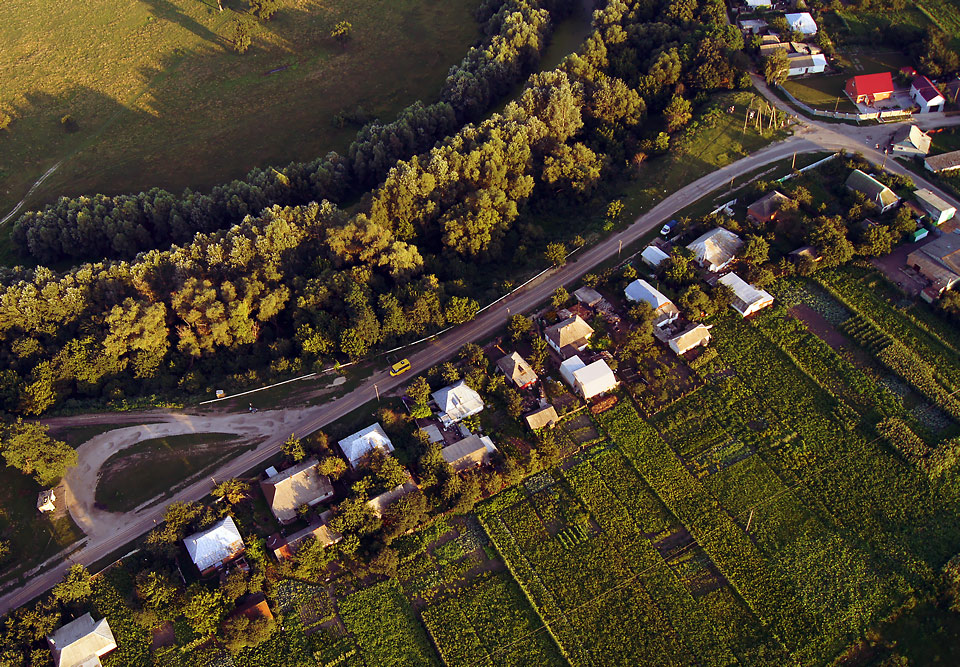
160, 98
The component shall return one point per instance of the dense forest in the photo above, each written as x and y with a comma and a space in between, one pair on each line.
296, 284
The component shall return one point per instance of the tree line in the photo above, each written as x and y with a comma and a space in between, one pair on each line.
295, 287
101, 226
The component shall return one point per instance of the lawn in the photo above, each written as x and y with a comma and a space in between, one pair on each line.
160, 98
151, 467
822, 92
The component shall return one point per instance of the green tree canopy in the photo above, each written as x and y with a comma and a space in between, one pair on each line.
27, 447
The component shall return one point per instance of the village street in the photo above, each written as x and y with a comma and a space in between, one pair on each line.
107, 532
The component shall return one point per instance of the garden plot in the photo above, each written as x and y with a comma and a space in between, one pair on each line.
580, 429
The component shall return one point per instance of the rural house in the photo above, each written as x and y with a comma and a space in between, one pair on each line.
81, 642
766, 208
872, 189
869, 88
690, 338
299, 485
469, 452
589, 380
716, 249
215, 547
663, 308
938, 262
753, 4
747, 299
285, 547
46, 501
543, 417
936, 207
457, 402
802, 22
925, 95
943, 162
355, 447
517, 370
910, 140
379, 503
653, 256
752, 26
799, 64
588, 296
569, 336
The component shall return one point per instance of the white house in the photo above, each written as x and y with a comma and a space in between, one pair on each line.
925, 95
653, 256
801, 64
457, 402
572, 333
758, 3
690, 338
802, 23
214, 547
936, 207
715, 249
747, 299
361, 443
664, 309
81, 642
588, 381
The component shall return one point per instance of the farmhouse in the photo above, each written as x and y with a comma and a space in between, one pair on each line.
517, 370
910, 140
46, 501
690, 338
569, 336
285, 547
768, 48
943, 162
802, 22
800, 64
469, 452
544, 417
653, 256
81, 642
766, 208
870, 88
939, 210
939, 262
663, 308
215, 547
457, 402
588, 296
747, 299
925, 95
715, 249
589, 380
379, 503
355, 447
752, 26
299, 485
872, 189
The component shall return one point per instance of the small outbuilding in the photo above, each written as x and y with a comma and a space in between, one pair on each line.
81, 642
872, 189
640, 291
543, 417
766, 208
747, 299
943, 162
457, 402
569, 336
716, 249
294, 487
212, 549
925, 95
653, 256
939, 262
357, 446
46, 501
588, 296
285, 547
935, 206
517, 370
469, 452
380, 503
800, 64
689, 338
910, 140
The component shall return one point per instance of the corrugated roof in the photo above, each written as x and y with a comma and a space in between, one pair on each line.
745, 294
471, 446
541, 418
653, 255
641, 290
218, 543
912, 137
802, 22
932, 202
458, 401
588, 296
687, 340
943, 161
717, 247
79, 640
361, 443
517, 369
595, 378
571, 330
298, 485
874, 190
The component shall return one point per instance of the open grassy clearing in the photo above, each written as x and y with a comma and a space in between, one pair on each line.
151, 467
822, 92
161, 100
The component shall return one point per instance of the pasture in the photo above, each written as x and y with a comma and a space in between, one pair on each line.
159, 97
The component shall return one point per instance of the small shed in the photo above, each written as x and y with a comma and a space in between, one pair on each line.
588, 296
467, 453
517, 370
545, 417
653, 256
936, 207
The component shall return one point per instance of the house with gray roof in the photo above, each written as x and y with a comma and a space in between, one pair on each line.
872, 189
81, 642
294, 487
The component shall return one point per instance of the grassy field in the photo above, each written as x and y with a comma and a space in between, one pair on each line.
822, 92
150, 467
160, 99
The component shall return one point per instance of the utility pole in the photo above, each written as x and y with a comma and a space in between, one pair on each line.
378, 392
619, 248
793, 165
837, 105
884, 164
749, 521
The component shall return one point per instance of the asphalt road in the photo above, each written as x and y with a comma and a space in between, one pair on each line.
811, 137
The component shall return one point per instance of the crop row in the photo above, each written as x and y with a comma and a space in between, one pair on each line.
934, 461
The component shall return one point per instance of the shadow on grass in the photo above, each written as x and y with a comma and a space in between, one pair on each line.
166, 10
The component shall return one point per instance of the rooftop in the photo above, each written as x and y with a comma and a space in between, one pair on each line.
517, 369
925, 88
717, 247
572, 330
298, 485
361, 443
80, 640
216, 544
943, 161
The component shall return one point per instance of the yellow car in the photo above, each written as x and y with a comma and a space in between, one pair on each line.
400, 367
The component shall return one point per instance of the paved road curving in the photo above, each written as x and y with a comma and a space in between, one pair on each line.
107, 532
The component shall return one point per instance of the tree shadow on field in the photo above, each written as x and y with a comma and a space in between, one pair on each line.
166, 10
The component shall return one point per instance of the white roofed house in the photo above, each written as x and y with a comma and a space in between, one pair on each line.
569, 336
663, 308
588, 380
294, 487
936, 207
457, 402
472, 451
747, 299
653, 256
691, 337
716, 249
81, 642
215, 547
357, 446
802, 22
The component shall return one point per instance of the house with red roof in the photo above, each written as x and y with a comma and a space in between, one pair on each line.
870, 88
926, 95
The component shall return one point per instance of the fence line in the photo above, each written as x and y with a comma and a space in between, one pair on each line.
881, 116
